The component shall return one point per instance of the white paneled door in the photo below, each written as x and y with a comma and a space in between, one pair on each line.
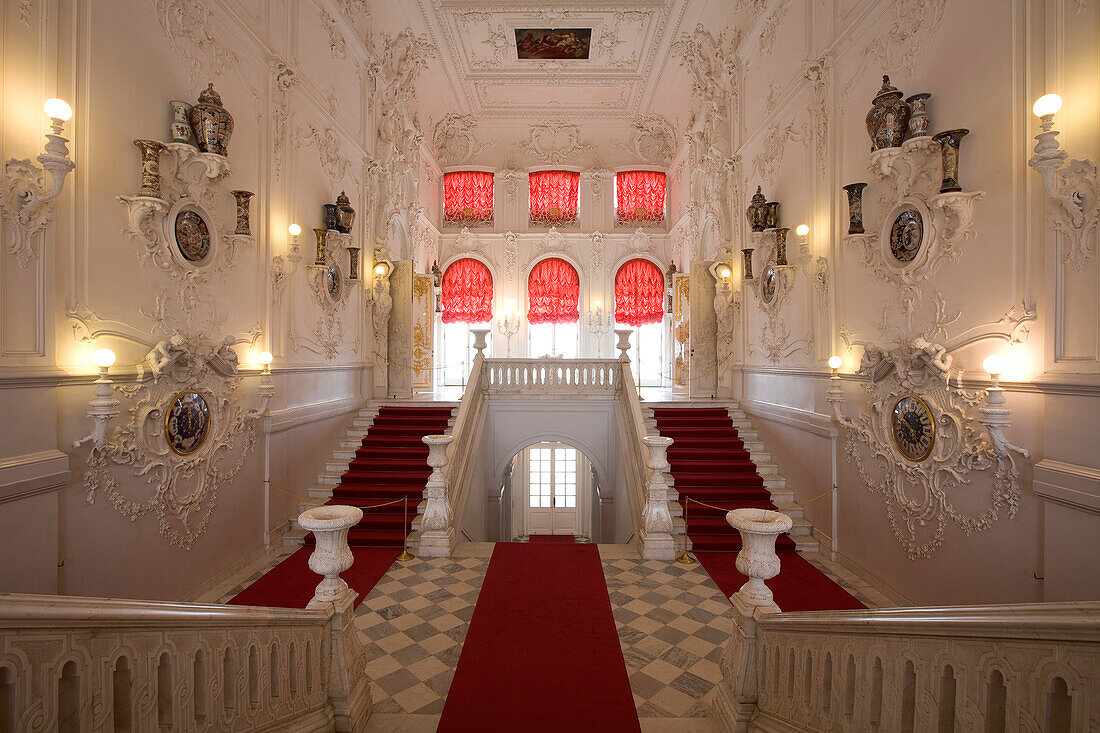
552, 490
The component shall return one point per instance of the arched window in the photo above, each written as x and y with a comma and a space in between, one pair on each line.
466, 298
639, 293
468, 198
467, 292
553, 197
553, 308
639, 198
640, 304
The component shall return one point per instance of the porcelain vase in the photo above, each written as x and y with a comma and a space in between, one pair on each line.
344, 214
747, 254
244, 202
855, 207
330, 216
180, 128
888, 120
918, 122
211, 123
757, 212
150, 167
759, 529
331, 556
781, 246
771, 215
322, 238
949, 141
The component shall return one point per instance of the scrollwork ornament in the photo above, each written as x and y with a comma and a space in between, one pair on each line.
918, 492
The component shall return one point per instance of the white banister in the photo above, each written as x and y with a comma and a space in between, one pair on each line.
963, 668
552, 376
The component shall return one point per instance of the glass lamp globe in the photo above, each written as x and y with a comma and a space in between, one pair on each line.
835, 362
1048, 104
994, 364
58, 109
802, 230
265, 357
103, 358
294, 230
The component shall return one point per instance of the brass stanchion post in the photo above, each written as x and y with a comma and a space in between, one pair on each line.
405, 555
686, 559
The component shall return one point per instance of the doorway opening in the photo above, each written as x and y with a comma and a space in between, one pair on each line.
551, 487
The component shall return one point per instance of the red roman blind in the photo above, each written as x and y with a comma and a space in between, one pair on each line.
554, 197
639, 198
639, 293
467, 292
468, 198
553, 292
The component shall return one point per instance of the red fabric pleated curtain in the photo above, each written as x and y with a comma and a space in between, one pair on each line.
553, 292
554, 197
639, 198
467, 292
468, 198
639, 293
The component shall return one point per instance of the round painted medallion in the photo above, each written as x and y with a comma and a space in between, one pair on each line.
192, 235
767, 284
913, 427
186, 422
906, 236
334, 281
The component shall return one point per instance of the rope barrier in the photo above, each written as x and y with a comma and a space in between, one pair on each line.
320, 503
782, 509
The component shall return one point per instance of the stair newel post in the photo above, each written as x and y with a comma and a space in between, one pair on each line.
437, 535
349, 687
656, 534
735, 702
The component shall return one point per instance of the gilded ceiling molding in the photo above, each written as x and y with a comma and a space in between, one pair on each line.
187, 25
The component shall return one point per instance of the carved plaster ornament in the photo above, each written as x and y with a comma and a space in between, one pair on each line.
511, 255
337, 44
652, 139
551, 242
187, 25
554, 142
455, 141
330, 289
773, 289
918, 445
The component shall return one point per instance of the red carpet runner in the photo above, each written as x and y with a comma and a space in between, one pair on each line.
291, 583
710, 464
542, 652
391, 464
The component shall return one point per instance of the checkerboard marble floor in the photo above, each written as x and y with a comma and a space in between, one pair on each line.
672, 623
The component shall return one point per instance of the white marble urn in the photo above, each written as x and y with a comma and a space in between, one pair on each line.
759, 529
480, 342
331, 556
623, 344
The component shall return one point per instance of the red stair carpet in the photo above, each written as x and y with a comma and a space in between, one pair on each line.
291, 583
542, 654
562, 539
391, 464
709, 463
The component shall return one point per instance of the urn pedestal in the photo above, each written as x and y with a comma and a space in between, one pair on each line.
437, 535
656, 533
759, 529
331, 556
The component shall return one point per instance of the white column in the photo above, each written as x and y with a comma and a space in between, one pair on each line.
437, 535
657, 542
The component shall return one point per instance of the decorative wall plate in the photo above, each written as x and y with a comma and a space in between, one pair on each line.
186, 422
191, 234
768, 284
913, 428
333, 282
906, 235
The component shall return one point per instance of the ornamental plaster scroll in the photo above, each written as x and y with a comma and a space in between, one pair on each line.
189, 179
283, 78
817, 74
770, 29
336, 43
497, 42
605, 49
357, 15
553, 242
187, 26
425, 242
596, 256
327, 142
511, 177
554, 142
708, 59
23, 181
768, 161
404, 56
328, 332
652, 139
511, 256
1075, 215
776, 342
919, 494
912, 27
454, 139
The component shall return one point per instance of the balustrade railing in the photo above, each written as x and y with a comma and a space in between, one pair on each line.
552, 376
979, 668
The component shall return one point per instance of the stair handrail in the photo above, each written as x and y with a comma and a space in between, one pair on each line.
913, 667
468, 423
632, 427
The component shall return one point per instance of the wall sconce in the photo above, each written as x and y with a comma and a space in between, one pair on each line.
26, 195
265, 359
508, 327
280, 270
994, 413
803, 232
599, 325
382, 269
835, 363
266, 390
1073, 186
103, 407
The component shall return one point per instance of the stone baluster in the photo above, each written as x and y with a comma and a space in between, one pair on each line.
349, 686
656, 533
735, 702
437, 536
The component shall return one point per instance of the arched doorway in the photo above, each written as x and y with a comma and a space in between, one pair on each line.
551, 489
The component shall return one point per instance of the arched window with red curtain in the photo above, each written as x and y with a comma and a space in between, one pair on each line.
639, 198
553, 292
639, 293
553, 196
466, 293
468, 198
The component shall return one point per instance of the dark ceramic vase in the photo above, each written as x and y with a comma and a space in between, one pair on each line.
757, 212
244, 199
211, 123
771, 216
345, 215
781, 245
747, 253
855, 207
949, 141
888, 119
918, 122
330, 216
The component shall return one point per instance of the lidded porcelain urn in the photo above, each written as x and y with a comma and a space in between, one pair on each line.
211, 123
757, 212
888, 119
345, 215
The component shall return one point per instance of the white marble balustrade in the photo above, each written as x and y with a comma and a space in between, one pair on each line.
552, 376
974, 668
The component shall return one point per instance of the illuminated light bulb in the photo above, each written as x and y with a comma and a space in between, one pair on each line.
294, 230
725, 272
103, 358
265, 357
58, 109
379, 269
597, 304
835, 362
1047, 104
994, 364
802, 230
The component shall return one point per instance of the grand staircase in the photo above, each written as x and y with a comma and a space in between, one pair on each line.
718, 458
382, 459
